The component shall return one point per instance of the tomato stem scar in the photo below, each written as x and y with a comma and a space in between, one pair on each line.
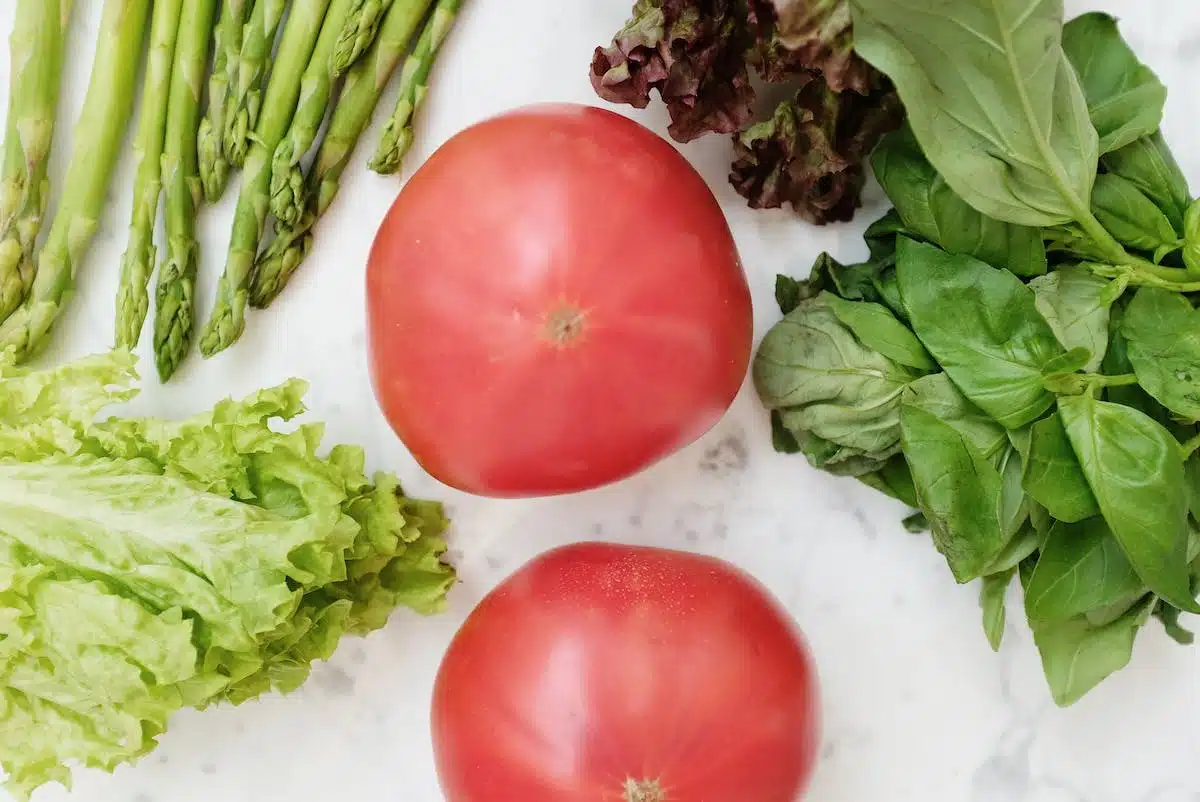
644, 791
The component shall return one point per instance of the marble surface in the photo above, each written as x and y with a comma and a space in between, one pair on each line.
917, 708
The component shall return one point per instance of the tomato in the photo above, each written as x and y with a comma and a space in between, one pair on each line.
555, 302
608, 673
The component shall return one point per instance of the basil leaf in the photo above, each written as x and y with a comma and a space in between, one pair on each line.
788, 293
1081, 568
1053, 476
1125, 98
838, 398
991, 599
878, 329
1076, 302
1131, 217
1168, 616
1150, 166
937, 395
792, 435
893, 479
992, 99
1013, 502
880, 236
993, 344
1026, 542
1162, 339
1135, 469
1116, 363
1078, 655
932, 211
958, 490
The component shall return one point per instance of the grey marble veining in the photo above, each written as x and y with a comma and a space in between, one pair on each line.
917, 708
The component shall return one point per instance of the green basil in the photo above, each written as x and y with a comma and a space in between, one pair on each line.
1053, 476
893, 479
1162, 340
838, 398
991, 599
1080, 568
1150, 166
994, 344
937, 395
880, 236
1076, 303
1168, 616
1078, 655
931, 211
1027, 541
958, 490
1131, 217
1013, 501
1116, 363
992, 99
878, 329
1125, 98
1135, 470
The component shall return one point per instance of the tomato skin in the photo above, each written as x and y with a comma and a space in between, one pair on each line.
596, 664
555, 302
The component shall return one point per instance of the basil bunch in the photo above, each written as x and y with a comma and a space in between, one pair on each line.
1019, 358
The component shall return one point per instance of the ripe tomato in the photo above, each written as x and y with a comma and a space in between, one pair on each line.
607, 673
555, 302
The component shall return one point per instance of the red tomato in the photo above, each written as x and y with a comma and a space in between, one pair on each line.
607, 673
555, 302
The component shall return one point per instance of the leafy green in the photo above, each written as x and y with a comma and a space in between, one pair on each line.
893, 479
837, 396
878, 329
931, 211
995, 347
1078, 655
959, 492
1125, 98
149, 565
1149, 165
1076, 302
1135, 469
1131, 217
1081, 568
991, 599
1053, 476
937, 395
992, 99
1162, 336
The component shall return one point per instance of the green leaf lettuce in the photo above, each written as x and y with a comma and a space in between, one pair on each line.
149, 565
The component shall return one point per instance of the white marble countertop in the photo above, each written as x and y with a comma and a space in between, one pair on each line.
917, 708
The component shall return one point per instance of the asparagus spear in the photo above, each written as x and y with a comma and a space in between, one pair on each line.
228, 318
138, 260
316, 88
214, 168
358, 33
360, 94
174, 312
258, 39
36, 57
414, 83
98, 136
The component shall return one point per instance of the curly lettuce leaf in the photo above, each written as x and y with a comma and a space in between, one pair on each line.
694, 53
814, 35
150, 565
811, 154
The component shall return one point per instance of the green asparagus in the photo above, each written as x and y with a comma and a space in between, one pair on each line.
254, 66
98, 135
358, 33
137, 263
351, 115
174, 313
214, 167
228, 317
414, 83
316, 88
36, 58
